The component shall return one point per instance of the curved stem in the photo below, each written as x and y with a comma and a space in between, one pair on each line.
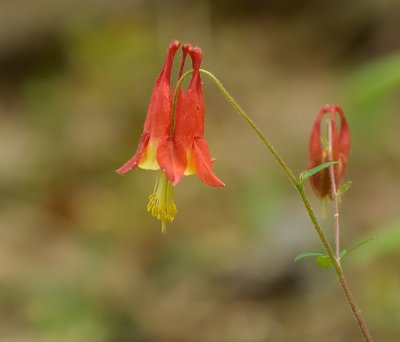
251, 123
175, 98
300, 188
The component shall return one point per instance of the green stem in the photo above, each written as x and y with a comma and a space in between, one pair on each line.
251, 123
336, 265
175, 98
300, 188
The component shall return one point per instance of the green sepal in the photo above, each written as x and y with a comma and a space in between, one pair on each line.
344, 187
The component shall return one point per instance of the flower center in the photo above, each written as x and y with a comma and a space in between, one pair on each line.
161, 201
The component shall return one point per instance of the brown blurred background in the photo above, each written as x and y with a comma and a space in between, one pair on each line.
80, 258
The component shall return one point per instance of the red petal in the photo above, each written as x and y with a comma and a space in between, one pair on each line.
171, 156
195, 93
315, 148
158, 118
344, 137
203, 163
320, 181
343, 146
135, 160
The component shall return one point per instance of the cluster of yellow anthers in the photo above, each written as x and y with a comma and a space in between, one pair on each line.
161, 201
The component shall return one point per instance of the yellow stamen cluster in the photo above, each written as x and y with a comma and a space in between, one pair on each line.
161, 202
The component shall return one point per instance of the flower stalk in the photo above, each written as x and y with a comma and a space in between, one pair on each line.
334, 194
299, 185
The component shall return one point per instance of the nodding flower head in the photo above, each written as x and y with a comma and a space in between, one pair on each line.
174, 145
188, 135
329, 141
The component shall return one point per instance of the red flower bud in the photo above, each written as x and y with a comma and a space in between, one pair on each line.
334, 146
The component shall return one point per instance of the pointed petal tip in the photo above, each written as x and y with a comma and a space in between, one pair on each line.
176, 182
123, 169
219, 184
129, 165
211, 180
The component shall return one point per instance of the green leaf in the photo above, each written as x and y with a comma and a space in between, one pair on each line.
344, 187
308, 173
362, 243
305, 255
343, 252
323, 261
389, 242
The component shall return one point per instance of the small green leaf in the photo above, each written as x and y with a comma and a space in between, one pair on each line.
343, 252
362, 243
308, 173
323, 261
344, 187
305, 255
389, 242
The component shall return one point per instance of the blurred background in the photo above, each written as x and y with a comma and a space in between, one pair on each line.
82, 260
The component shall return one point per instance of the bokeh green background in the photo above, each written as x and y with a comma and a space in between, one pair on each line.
81, 260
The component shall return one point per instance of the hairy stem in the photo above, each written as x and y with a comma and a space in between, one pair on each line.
300, 188
334, 194
336, 265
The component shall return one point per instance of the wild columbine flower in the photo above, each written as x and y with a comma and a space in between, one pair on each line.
189, 132
334, 145
174, 145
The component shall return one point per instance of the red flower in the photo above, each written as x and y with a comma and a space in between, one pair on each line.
335, 146
177, 151
189, 132
158, 120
